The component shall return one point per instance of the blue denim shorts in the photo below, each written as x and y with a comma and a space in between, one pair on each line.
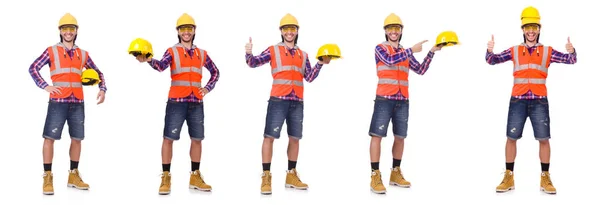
386, 110
59, 113
280, 111
178, 112
538, 112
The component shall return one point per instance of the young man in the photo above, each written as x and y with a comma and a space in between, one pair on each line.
185, 101
66, 61
529, 95
393, 63
290, 66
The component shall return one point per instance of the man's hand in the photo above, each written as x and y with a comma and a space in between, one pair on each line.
53, 89
490, 46
569, 46
249, 46
418, 47
204, 91
436, 48
143, 58
326, 60
100, 97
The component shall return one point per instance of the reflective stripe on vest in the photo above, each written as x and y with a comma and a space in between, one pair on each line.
178, 69
60, 70
280, 68
542, 67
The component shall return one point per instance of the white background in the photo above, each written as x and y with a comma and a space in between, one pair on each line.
454, 152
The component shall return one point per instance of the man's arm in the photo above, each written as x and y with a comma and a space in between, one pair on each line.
421, 68
36, 66
256, 61
214, 73
566, 58
90, 64
494, 59
382, 55
311, 73
163, 64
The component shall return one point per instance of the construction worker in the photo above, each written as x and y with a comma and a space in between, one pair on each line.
393, 63
529, 97
290, 66
67, 62
185, 101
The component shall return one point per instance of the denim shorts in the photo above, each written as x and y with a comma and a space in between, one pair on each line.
59, 113
178, 112
538, 112
386, 110
280, 111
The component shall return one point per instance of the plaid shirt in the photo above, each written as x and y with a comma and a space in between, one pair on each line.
556, 57
165, 62
381, 54
310, 73
44, 59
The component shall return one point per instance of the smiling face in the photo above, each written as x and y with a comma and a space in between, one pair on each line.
68, 33
186, 33
289, 33
531, 32
393, 32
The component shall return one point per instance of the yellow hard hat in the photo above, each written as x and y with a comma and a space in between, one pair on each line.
288, 19
392, 19
140, 46
331, 50
447, 38
67, 19
185, 19
90, 77
530, 15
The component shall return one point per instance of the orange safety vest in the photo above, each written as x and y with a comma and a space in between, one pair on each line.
530, 70
186, 72
65, 71
287, 71
392, 78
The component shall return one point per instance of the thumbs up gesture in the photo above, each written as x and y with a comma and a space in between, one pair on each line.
249, 46
569, 46
490, 46
418, 47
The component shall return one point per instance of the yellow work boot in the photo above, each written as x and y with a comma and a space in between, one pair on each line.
546, 184
48, 187
165, 183
508, 182
292, 180
75, 180
265, 186
397, 179
197, 182
376, 183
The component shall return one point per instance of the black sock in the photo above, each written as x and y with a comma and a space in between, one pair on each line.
74, 164
266, 166
291, 164
166, 167
374, 165
510, 166
545, 167
396, 163
195, 166
48, 167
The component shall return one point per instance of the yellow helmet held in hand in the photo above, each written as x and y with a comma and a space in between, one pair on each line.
447, 38
392, 19
185, 19
140, 46
330, 50
288, 19
67, 19
90, 77
530, 15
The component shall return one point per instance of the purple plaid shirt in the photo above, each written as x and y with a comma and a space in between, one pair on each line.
44, 59
381, 54
165, 62
310, 73
556, 57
